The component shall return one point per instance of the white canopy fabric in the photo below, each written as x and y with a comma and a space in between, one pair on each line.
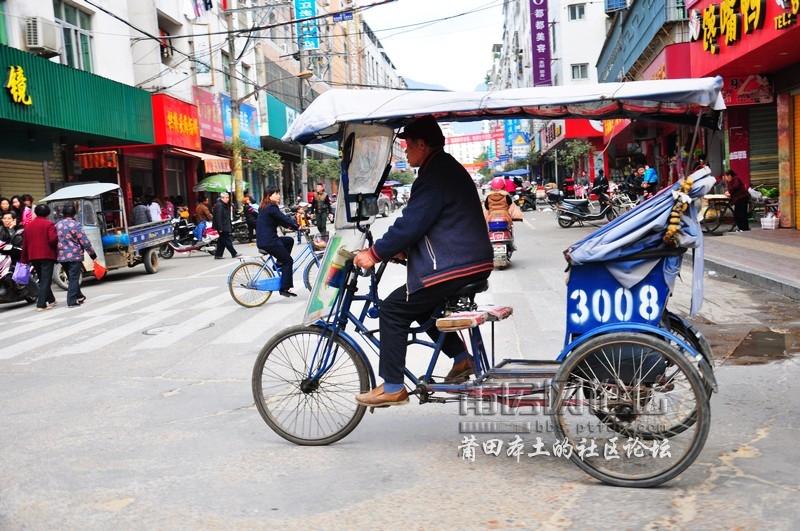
77, 191
660, 99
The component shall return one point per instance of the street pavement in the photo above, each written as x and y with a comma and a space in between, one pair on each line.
135, 411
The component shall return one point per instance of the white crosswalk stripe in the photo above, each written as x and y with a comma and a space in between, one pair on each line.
176, 299
42, 341
262, 323
126, 304
185, 328
54, 314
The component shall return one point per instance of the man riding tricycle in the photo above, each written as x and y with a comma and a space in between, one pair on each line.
631, 386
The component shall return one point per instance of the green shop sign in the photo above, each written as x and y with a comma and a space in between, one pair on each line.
40, 92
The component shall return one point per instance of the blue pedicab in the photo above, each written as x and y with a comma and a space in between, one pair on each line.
629, 391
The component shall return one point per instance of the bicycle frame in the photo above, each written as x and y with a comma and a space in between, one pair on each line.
342, 314
268, 262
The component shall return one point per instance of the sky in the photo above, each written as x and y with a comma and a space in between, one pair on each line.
455, 53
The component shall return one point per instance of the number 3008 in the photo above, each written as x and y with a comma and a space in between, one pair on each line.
601, 304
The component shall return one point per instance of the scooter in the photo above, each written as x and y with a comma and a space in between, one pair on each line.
568, 211
501, 235
185, 240
10, 291
525, 199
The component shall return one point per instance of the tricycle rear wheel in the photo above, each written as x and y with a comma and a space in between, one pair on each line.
150, 259
655, 397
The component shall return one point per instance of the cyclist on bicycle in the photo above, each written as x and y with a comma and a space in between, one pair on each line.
442, 232
269, 219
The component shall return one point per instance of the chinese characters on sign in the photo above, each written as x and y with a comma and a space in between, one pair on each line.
175, 122
17, 85
182, 123
307, 30
730, 21
540, 45
632, 448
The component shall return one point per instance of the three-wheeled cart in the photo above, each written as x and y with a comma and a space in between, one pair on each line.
101, 210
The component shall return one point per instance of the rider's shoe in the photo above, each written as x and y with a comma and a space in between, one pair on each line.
461, 371
378, 398
287, 293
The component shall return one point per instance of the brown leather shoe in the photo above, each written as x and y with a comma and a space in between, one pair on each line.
461, 371
377, 398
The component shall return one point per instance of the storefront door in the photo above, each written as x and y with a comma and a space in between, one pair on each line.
763, 133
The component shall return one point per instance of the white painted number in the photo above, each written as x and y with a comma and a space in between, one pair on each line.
648, 309
622, 305
582, 315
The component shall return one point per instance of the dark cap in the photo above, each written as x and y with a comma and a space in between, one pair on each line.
424, 128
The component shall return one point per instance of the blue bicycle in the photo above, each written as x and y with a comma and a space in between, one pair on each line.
252, 282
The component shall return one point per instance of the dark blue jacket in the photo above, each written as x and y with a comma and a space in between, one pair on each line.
269, 219
442, 229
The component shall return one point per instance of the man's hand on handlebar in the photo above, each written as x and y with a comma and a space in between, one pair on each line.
364, 260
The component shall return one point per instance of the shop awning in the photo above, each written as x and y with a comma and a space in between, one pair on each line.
212, 163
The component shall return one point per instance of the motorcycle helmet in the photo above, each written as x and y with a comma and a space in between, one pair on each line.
498, 183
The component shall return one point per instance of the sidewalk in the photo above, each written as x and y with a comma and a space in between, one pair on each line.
769, 259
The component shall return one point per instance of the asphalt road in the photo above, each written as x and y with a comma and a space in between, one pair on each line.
135, 412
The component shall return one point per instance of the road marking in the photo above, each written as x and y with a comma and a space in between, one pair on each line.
250, 329
59, 334
55, 313
229, 264
108, 337
223, 299
30, 327
175, 299
127, 303
184, 329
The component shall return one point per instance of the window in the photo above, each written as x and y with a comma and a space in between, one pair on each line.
576, 11
580, 71
166, 45
3, 31
226, 76
244, 86
76, 28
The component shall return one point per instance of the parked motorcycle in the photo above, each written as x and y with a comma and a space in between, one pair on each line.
501, 235
10, 291
525, 199
185, 240
568, 211
240, 232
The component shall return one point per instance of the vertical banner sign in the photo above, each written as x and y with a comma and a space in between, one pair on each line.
540, 43
202, 55
307, 30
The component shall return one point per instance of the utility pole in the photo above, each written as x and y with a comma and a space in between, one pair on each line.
238, 185
303, 154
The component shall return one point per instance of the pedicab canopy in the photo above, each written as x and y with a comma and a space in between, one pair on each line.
620, 246
666, 99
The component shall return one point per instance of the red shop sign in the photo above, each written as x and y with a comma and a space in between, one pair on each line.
175, 122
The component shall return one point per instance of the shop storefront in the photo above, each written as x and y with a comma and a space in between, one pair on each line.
754, 47
48, 108
552, 137
662, 145
166, 168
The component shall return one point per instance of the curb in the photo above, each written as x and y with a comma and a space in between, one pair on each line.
760, 279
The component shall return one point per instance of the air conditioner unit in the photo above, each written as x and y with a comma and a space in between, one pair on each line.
42, 37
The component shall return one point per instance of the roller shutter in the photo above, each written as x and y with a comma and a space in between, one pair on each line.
763, 145
19, 177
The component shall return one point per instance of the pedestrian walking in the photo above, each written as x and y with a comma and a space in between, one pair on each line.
72, 243
740, 199
321, 207
40, 249
222, 222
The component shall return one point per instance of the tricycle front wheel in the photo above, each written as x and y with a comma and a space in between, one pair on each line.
150, 259
632, 408
304, 385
